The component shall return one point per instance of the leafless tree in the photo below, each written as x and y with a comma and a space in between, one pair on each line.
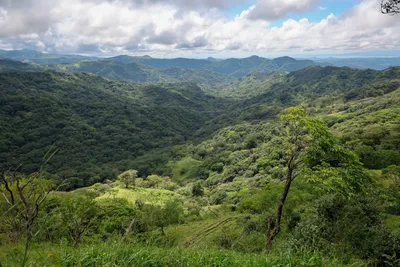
390, 7
23, 196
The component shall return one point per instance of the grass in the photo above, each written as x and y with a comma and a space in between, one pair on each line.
146, 195
112, 254
393, 222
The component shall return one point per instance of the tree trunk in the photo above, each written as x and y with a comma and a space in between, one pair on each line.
277, 227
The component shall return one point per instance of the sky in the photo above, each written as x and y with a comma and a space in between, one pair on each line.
198, 28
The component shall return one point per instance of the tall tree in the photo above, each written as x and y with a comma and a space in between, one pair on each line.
311, 149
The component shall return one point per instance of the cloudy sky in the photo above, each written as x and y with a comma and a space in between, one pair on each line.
197, 28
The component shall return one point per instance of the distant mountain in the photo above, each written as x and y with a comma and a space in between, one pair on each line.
290, 64
233, 67
118, 70
7, 65
363, 63
115, 70
296, 88
175, 62
310, 83
199, 76
33, 56
252, 85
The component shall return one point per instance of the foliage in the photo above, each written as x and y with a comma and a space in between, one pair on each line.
197, 190
162, 216
128, 178
99, 126
139, 255
339, 225
211, 168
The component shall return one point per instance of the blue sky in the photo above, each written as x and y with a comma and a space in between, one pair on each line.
198, 28
318, 13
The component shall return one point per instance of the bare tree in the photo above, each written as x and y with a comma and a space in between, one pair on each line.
390, 7
23, 197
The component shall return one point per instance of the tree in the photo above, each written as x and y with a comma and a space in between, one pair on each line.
310, 146
128, 178
162, 216
390, 6
78, 213
197, 190
24, 195
154, 180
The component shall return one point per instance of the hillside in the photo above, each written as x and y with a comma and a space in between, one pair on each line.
377, 63
165, 169
231, 67
205, 78
77, 111
32, 56
7, 65
249, 86
118, 70
313, 82
93, 121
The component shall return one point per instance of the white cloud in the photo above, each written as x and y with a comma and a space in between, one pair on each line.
276, 9
162, 26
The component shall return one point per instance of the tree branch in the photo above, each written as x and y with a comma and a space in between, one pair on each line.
390, 7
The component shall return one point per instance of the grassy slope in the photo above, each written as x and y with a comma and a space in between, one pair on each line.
115, 254
146, 195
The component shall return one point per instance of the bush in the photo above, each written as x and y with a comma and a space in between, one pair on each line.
197, 190
128, 178
340, 225
218, 197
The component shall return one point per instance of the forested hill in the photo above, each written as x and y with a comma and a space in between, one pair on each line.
93, 121
183, 166
36, 57
7, 65
103, 126
309, 83
115, 70
233, 67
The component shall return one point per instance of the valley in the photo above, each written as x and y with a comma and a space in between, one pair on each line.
182, 162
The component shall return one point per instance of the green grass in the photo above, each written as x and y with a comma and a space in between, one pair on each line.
393, 222
146, 195
114, 254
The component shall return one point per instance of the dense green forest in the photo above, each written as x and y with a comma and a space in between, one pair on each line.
249, 162
115, 70
94, 121
32, 56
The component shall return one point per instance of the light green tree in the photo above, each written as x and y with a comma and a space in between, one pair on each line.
154, 180
128, 178
311, 150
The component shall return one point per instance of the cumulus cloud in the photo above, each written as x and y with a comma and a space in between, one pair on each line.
276, 9
24, 17
190, 3
171, 26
